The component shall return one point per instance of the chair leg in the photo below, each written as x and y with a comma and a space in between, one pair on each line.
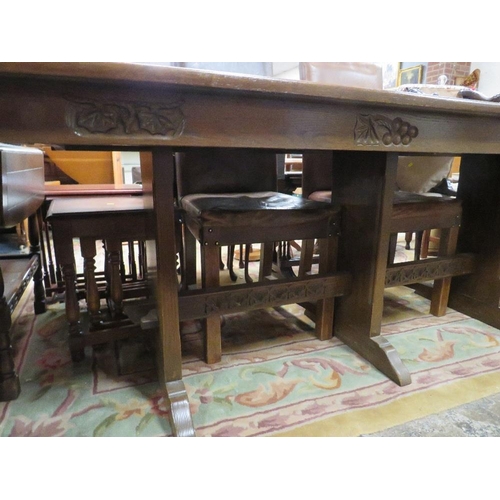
408, 238
248, 249
241, 261
328, 249
266, 260
424, 247
393, 241
418, 244
212, 325
441, 289
306, 257
189, 249
230, 260
221, 263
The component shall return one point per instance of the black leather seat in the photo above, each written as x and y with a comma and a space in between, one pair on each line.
410, 212
229, 196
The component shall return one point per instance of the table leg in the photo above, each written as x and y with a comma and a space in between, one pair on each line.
92, 293
115, 290
158, 180
478, 294
10, 387
364, 187
34, 239
63, 247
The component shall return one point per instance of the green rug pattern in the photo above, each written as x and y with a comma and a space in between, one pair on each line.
275, 376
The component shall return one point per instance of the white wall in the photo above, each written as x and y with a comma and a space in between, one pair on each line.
129, 159
489, 81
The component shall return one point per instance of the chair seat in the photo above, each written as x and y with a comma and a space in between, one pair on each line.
413, 211
416, 212
232, 218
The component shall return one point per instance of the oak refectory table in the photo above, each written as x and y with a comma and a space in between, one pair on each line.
158, 110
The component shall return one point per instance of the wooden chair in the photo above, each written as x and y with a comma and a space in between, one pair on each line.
226, 202
411, 212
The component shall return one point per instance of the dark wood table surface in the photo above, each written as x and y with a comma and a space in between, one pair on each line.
160, 109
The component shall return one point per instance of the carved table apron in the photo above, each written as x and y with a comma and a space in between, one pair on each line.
160, 109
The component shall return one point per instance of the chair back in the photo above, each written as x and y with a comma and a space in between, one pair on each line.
364, 75
225, 170
316, 172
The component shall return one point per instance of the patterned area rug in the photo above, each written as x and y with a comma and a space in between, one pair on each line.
275, 377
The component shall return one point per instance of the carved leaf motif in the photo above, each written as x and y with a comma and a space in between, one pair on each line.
100, 119
364, 131
156, 121
372, 130
126, 118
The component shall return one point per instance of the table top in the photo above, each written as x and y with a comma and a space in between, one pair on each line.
57, 190
123, 104
70, 206
166, 76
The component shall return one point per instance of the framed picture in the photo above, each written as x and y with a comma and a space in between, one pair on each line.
410, 75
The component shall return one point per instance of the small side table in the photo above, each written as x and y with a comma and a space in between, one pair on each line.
112, 219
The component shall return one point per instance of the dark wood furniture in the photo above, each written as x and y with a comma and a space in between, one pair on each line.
160, 109
15, 276
410, 212
92, 219
21, 188
51, 272
241, 204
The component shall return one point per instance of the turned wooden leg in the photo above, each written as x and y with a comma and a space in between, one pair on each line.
115, 289
63, 246
230, 260
72, 311
408, 238
43, 251
92, 292
248, 249
9, 380
34, 239
241, 261
441, 288
212, 326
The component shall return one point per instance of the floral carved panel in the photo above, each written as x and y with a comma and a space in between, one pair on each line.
125, 118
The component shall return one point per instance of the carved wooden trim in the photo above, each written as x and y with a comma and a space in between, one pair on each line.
125, 118
429, 269
200, 303
373, 130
